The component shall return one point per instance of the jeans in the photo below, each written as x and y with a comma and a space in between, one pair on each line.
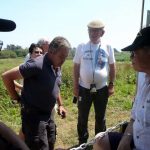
99, 99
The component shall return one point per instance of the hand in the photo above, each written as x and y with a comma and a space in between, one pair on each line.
62, 112
76, 91
110, 90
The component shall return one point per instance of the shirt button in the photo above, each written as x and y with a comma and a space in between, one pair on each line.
142, 106
138, 120
137, 137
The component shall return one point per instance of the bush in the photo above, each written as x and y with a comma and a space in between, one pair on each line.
21, 52
123, 56
7, 54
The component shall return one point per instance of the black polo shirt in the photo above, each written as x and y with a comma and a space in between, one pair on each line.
39, 80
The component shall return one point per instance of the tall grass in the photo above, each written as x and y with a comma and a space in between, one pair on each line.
118, 108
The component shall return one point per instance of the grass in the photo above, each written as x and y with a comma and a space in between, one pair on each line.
118, 108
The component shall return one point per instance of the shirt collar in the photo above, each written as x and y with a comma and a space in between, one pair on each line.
48, 61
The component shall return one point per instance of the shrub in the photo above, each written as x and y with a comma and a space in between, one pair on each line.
7, 54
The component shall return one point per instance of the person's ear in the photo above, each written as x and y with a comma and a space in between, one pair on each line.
103, 31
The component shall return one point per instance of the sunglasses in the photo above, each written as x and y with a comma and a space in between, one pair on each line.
95, 30
38, 52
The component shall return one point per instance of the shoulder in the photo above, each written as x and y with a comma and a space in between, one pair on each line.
107, 47
80, 46
32, 63
83, 46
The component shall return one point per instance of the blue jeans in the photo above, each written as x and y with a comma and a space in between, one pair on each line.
99, 99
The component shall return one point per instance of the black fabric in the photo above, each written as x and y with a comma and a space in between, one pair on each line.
114, 139
39, 130
39, 81
7, 25
100, 99
6, 145
141, 40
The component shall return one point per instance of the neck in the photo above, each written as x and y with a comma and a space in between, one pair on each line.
95, 42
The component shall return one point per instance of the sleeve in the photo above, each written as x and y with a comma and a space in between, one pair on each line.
29, 69
111, 57
78, 54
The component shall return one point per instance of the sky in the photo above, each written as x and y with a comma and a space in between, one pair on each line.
69, 18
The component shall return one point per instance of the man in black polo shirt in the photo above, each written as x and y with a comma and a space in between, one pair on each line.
39, 94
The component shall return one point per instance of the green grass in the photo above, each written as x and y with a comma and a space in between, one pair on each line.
118, 108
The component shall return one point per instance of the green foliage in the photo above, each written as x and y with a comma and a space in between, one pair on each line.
122, 56
13, 53
7, 54
13, 47
21, 52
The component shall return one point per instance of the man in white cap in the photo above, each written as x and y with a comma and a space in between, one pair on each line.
94, 75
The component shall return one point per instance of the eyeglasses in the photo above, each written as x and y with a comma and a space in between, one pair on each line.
95, 30
38, 52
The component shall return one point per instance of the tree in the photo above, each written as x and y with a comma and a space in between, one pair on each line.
1, 44
13, 47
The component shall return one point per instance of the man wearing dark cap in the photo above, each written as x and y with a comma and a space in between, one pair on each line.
9, 140
137, 133
94, 75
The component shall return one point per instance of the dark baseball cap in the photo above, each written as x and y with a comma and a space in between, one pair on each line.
7, 25
142, 39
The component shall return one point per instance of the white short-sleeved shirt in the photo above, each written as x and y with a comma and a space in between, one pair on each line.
141, 114
94, 60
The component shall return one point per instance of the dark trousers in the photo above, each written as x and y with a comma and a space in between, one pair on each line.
39, 129
99, 99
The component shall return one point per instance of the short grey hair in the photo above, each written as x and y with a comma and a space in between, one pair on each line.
42, 41
59, 42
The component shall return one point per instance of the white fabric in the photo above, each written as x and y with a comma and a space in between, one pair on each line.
27, 58
141, 114
94, 63
140, 81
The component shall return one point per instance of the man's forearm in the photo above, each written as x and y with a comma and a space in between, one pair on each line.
76, 71
59, 100
10, 86
112, 72
8, 78
128, 134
